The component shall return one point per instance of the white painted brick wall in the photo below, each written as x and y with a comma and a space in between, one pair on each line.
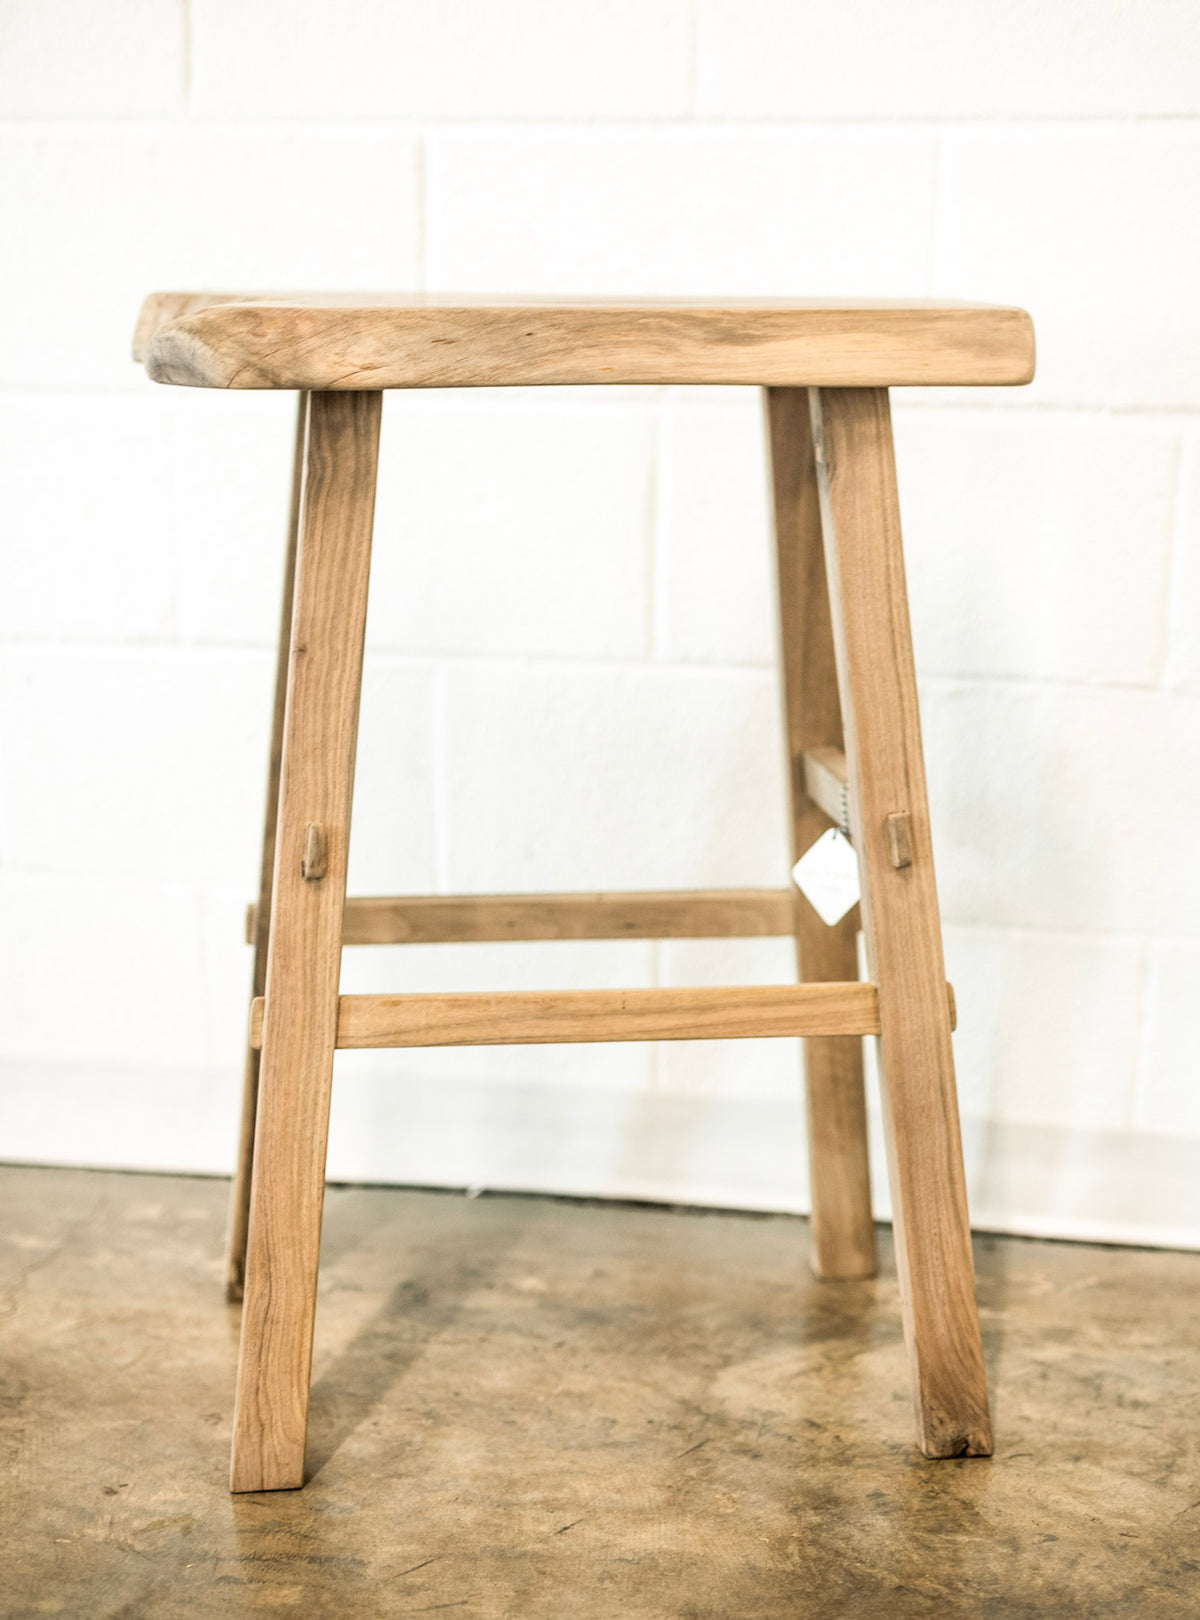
522, 533
197, 205
1011, 576
1095, 229
943, 59
570, 673
684, 208
440, 59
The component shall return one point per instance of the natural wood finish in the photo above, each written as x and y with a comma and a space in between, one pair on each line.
410, 340
825, 783
474, 918
301, 1000
861, 521
314, 863
826, 366
565, 1017
899, 833
260, 927
552, 1017
843, 1233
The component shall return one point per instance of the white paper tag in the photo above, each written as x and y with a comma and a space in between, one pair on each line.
827, 876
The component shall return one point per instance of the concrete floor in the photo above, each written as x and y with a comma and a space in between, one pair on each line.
534, 1409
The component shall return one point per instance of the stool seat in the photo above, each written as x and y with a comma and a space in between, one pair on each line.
359, 341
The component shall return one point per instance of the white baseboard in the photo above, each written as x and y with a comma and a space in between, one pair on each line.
1034, 1180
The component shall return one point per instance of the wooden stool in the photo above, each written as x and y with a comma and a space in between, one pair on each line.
854, 749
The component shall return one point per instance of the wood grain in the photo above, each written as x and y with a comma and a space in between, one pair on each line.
301, 998
475, 918
392, 340
861, 521
825, 783
260, 929
843, 1233
554, 1017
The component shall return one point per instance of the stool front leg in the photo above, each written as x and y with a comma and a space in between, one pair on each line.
304, 959
890, 825
239, 1203
843, 1233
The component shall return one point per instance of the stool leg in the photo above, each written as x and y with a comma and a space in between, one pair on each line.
304, 962
861, 521
239, 1204
843, 1233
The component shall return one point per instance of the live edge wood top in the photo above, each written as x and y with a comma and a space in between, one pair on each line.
371, 341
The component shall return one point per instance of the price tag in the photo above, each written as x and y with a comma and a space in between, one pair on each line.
827, 876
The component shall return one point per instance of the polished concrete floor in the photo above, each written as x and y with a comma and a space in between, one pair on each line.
532, 1408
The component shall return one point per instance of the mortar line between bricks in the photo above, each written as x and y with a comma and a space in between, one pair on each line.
1031, 412
703, 398
232, 892
1174, 602
655, 542
187, 889
937, 223
421, 209
1130, 938
692, 62
438, 764
176, 533
1051, 683
556, 662
210, 997
1139, 1080
424, 658
597, 123
185, 56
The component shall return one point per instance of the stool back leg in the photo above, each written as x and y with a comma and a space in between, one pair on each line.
239, 1203
304, 958
843, 1233
890, 824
